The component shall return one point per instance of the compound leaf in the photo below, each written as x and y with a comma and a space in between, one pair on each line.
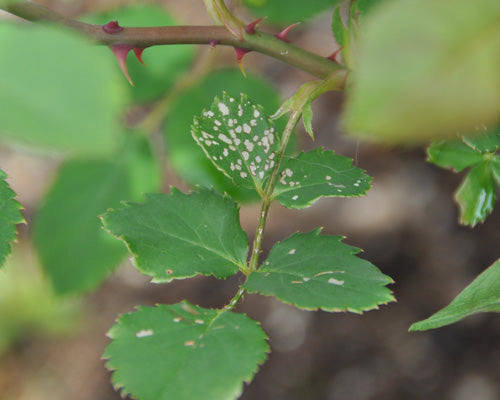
58, 93
487, 140
417, 85
76, 253
476, 195
168, 352
482, 295
453, 154
10, 215
176, 235
317, 173
313, 271
239, 139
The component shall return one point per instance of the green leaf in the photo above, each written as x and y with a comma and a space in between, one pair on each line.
495, 169
482, 295
184, 352
436, 76
239, 139
476, 195
164, 64
187, 158
313, 271
10, 215
487, 140
453, 154
340, 32
76, 253
308, 176
58, 92
286, 11
176, 235
364, 7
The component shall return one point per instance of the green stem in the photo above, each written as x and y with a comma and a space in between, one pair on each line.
145, 37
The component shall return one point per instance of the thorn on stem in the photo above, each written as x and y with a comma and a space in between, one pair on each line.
138, 53
283, 34
112, 27
213, 43
240, 52
334, 55
250, 28
121, 51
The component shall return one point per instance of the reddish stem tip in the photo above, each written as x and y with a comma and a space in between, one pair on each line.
283, 34
250, 28
112, 27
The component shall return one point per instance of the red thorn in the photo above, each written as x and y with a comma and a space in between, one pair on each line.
334, 55
240, 52
213, 43
250, 28
282, 35
112, 27
121, 51
138, 53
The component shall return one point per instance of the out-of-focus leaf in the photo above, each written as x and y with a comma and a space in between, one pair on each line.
289, 11
308, 176
76, 253
58, 93
164, 64
184, 352
482, 295
187, 158
313, 271
10, 215
176, 235
413, 82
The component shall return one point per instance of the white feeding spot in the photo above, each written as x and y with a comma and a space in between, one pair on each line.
240, 110
224, 138
177, 319
217, 122
292, 251
288, 172
243, 174
189, 343
144, 333
334, 281
199, 321
245, 155
253, 122
306, 279
237, 141
328, 177
223, 109
261, 174
238, 129
246, 128
249, 145
356, 184
225, 152
256, 113
295, 197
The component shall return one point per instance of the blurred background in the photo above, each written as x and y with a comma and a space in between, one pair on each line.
50, 346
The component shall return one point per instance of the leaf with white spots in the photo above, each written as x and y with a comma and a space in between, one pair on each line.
313, 271
10, 215
317, 173
184, 352
177, 235
239, 139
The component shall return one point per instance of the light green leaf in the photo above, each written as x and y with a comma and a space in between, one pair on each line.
164, 64
313, 271
187, 158
476, 195
76, 253
413, 82
340, 32
10, 215
453, 154
238, 137
176, 235
495, 169
58, 92
308, 176
482, 295
487, 140
289, 11
184, 352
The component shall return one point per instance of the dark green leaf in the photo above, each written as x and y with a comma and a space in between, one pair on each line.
187, 158
76, 253
317, 173
176, 235
413, 82
482, 295
239, 139
58, 92
476, 195
164, 64
314, 271
10, 215
184, 352
453, 154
